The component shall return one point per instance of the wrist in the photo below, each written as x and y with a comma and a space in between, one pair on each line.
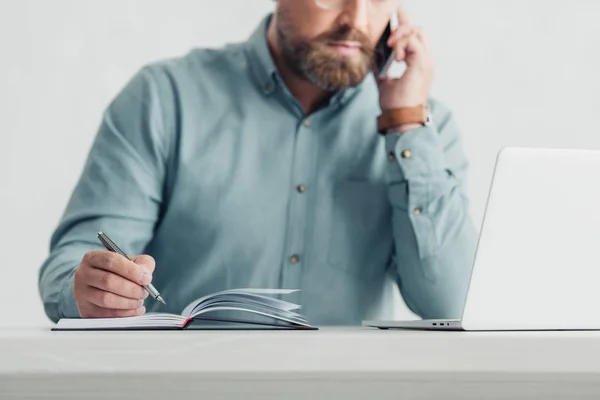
403, 119
403, 128
403, 104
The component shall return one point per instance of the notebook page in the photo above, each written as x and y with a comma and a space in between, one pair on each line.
252, 306
249, 299
273, 302
188, 310
228, 308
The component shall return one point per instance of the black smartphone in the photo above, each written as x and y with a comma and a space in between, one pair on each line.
384, 55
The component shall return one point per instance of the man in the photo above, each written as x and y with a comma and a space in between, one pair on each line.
279, 163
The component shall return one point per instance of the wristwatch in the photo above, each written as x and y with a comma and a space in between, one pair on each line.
402, 116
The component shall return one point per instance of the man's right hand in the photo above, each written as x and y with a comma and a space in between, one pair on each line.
108, 285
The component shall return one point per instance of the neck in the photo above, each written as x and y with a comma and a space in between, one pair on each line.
308, 95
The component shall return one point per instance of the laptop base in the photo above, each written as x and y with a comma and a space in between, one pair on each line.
427, 324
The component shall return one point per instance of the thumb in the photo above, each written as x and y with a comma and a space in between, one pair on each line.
146, 262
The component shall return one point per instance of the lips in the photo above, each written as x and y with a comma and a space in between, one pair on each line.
346, 44
346, 48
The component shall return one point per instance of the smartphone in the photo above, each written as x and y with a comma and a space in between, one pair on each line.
384, 55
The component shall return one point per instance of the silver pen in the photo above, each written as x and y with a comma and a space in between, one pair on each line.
111, 246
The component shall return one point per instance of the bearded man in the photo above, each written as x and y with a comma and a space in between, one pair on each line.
284, 161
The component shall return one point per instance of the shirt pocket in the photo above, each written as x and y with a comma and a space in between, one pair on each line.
360, 233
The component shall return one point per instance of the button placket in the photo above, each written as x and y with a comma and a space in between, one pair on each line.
298, 222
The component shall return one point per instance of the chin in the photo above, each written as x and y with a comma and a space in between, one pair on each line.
332, 71
338, 83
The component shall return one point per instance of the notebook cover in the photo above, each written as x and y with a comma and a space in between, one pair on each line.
206, 324
135, 328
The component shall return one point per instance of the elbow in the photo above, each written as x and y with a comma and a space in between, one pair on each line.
50, 297
441, 294
434, 307
51, 310
56, 292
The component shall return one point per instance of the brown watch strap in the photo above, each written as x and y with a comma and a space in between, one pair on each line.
402, 116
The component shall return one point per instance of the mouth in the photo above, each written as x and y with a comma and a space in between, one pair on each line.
346, 47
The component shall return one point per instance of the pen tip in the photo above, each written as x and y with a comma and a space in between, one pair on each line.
159, 298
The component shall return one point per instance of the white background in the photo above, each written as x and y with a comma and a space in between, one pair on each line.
516, 72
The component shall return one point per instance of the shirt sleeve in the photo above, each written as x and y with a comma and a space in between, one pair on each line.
120, 191
434, 236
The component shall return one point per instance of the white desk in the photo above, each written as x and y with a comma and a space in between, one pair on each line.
329, 364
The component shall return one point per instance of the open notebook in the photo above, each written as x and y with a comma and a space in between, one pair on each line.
230, 308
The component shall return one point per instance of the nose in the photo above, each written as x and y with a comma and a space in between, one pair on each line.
356, 14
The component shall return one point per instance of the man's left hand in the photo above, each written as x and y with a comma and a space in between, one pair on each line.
410, 90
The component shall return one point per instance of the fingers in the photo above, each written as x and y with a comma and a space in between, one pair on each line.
93, 311
399, 45
117, 264
400, 32
109, 282
414, 49
402, 17
407, 40
409, 44
406, 29
110, 300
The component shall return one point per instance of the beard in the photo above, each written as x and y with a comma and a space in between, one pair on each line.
315, 61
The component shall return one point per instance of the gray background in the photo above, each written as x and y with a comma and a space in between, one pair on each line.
515, 72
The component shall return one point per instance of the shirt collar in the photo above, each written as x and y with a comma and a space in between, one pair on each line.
261, 61
265, 71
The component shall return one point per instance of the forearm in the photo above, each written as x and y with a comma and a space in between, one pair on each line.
434, 235
119, 192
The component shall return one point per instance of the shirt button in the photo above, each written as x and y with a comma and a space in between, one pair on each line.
294, 259
391, 156
269, 87
406, 154
417, 211
306, 123
301, 188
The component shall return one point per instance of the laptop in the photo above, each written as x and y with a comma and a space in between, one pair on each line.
537, 263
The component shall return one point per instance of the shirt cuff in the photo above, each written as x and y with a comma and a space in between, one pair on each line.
67, 307
418, 153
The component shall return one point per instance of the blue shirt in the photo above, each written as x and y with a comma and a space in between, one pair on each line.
207, 163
